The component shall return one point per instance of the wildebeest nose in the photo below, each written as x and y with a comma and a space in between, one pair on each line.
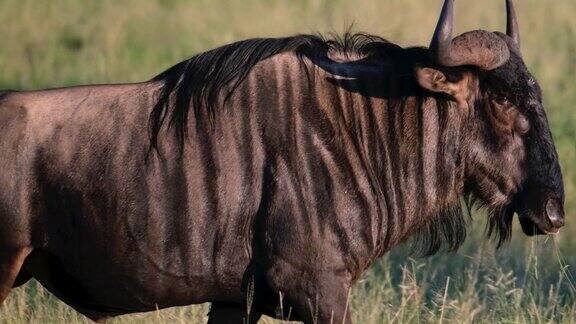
554, 213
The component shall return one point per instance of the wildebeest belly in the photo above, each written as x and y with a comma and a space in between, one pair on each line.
122, 245
138, 240
85, 277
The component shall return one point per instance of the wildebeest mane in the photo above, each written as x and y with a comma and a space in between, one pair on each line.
197, 82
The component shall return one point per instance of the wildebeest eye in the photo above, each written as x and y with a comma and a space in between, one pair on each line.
502, 100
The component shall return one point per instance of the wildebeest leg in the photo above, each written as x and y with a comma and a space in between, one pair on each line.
318, 298
223, 313
11, 261
48, 271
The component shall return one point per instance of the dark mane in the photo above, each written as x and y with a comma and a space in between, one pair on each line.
198, 81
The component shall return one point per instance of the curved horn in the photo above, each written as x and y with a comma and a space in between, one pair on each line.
441, 44
479, 48
512, 29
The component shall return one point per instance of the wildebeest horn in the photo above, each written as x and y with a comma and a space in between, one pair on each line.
479, 48
512, 29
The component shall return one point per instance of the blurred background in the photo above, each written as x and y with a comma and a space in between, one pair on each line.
68, 42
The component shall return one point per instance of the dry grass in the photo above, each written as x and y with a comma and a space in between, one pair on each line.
65, 42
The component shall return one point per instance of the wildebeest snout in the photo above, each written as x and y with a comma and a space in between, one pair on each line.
554, 213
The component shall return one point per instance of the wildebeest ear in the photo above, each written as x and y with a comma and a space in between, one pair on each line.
436, 81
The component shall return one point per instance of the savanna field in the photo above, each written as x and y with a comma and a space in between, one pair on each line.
67, 42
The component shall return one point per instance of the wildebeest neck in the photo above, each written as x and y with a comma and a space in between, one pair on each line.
410, 142
358, 141
361, 141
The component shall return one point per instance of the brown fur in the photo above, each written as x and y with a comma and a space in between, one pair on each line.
290, 174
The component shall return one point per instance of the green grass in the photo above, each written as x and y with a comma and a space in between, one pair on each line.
66, 42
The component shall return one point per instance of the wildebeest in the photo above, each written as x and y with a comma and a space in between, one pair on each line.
271, 171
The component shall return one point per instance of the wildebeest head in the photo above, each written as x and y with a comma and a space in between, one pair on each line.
512, 164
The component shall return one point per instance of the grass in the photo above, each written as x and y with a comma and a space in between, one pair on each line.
66, 42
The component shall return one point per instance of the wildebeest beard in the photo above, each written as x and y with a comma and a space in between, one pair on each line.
372, 68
